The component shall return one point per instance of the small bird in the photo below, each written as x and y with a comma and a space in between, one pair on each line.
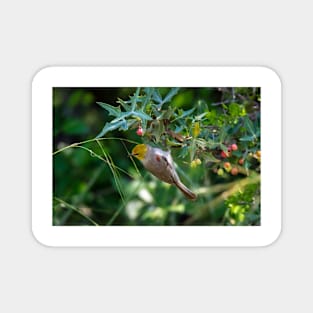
161, 165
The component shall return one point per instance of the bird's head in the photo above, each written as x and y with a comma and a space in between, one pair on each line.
140, 151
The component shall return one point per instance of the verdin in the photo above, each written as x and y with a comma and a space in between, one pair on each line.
161, 165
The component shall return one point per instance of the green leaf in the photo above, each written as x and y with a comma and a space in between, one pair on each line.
112, 126
113, 111
124, 104
177, 208
223, 147
121, 116
223, 134
209, 157
200, 116
234, 109
183, 152
134, 99
142, 115
156, 96
156, 129
247, 138
147, 98
211, 144
200, 142
184, 114
170, 95
249, 125
131, 122
166, 114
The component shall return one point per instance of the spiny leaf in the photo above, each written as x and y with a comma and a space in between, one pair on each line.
134, 99
156, 96
147, 98
124, 104
170, 95
121, 116
142, 115
113, 111
112, 126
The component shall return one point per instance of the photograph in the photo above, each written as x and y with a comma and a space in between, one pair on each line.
156, 156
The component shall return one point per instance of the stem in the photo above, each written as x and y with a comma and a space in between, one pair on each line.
76, 210
75, 144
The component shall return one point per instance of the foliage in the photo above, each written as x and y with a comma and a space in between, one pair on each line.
213, 135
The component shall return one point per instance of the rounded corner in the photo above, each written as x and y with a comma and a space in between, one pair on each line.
39, 240
41, 73
273, 73
273, 239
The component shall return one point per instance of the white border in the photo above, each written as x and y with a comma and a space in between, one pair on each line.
163, 236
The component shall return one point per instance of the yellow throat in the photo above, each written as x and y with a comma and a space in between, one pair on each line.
140, 151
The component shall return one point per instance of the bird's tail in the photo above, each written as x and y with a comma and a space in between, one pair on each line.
187, 192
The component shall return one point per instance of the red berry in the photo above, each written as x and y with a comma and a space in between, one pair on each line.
241, 161
234, 171
227, 165
224, 154
234, 147
139, 131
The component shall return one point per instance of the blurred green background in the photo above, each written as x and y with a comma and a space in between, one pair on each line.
99, 184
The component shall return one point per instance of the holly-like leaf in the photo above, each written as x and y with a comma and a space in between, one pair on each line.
147, 98
124, 104
113, 111
121, 116
170, 95
112, 126
142, 115
134, 99
156, 96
